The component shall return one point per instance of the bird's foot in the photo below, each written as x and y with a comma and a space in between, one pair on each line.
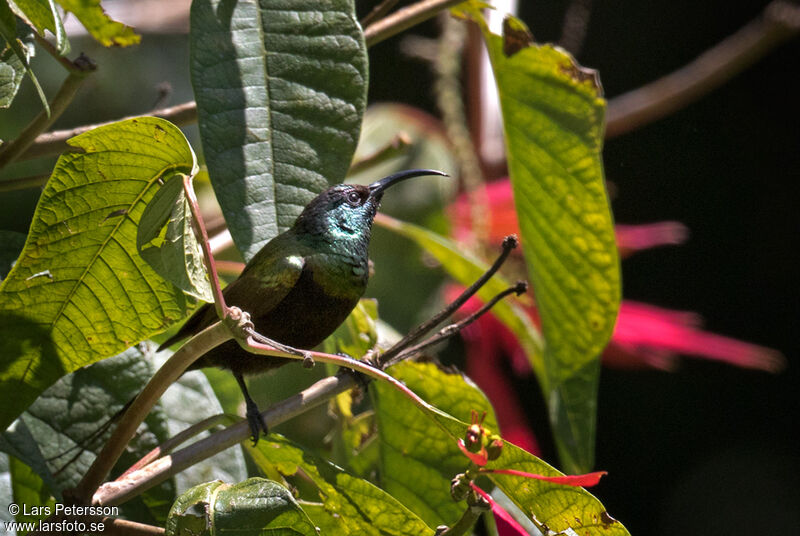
256, 422
361, 379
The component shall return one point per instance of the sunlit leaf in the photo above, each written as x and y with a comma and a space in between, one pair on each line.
553, 117
42, 15
350, 505
29, 490
417, 457
254, 507
80, 292
166, 240
280, 89
106, 30
551, 506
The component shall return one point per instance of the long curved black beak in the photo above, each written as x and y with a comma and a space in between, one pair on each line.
376, 188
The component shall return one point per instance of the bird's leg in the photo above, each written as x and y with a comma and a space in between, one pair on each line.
254, 417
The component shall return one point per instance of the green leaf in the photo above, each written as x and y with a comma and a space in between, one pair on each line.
466, 269
553, 116
51, 435
280, 90
11, 244
29, 490
418, 458
166, 240
80, 292
254, 507
551, 506
23, 51
42, 15
12, 70
350, 505
107, 31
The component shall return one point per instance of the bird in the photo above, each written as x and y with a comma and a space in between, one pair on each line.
301, 285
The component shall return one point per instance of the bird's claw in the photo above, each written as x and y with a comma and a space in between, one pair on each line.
256, 422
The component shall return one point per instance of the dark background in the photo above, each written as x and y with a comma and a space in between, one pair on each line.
709, 448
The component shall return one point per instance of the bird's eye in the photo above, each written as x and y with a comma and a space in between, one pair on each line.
353, 198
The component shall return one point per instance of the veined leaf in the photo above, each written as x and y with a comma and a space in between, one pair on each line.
42, 15
551, 506
102, 27
350, 505
281, 90
254, 507
553, 117
417, 457
46, 437
166, 240
80, 292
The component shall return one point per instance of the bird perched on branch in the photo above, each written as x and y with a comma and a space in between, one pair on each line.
302, 284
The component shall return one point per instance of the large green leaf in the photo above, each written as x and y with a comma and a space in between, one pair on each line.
553, 117
51, 435
29, 490
466, 269
417, 457
80, 292
350, 505
254, 507
107, 31
420, 457
42, 15
280, 90
551, 506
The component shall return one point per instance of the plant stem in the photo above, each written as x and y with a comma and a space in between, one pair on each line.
56, 142
378, 12
404, 19
779, 21
465, 522
62, 99
198, 345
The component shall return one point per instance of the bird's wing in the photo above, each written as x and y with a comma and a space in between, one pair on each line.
271, 279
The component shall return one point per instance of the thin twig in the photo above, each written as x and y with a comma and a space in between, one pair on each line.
449, 331
378, 12
56, 142
199, 228
23, 183
43, 120
779, 21
404, 19
509, 243
198, 345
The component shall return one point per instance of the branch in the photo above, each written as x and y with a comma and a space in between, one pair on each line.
509, 243
56, 142
80, 68
378, 12
198, 345
779, 22
404, 19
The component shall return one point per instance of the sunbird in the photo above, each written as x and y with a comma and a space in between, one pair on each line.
302, 284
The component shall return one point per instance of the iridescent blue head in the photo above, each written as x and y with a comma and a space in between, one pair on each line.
345, 212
